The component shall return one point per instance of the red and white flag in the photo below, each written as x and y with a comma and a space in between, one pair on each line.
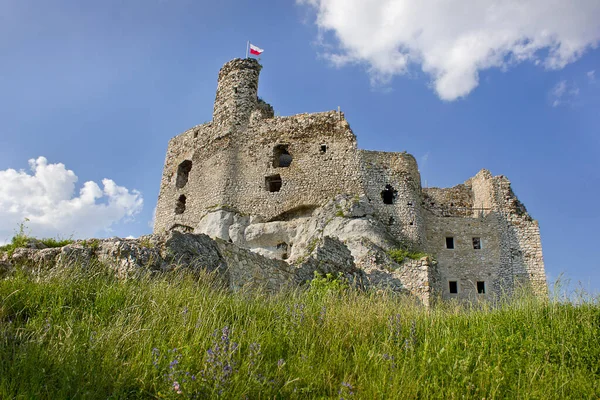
255, 50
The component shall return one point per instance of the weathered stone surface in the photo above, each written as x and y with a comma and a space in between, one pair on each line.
330, 256
5, 264
192, 251
237, 267
47, 257
74, 254
127, 256
216, 224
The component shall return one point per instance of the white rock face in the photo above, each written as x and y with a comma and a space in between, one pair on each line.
349, 219
216, 224
352, 234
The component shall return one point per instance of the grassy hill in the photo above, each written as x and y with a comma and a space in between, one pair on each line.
84, 334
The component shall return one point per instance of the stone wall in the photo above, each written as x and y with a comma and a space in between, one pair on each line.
237, 91
465, 264
456, 201
520, 245
398, 175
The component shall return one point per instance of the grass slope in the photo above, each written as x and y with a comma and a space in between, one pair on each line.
84, 334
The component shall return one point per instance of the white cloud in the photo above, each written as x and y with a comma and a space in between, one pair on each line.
47, 198
591, 76
563, 93
453, 40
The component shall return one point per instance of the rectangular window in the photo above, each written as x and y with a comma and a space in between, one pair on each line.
477, 243
481, 287
273, 183
449, 242
453, 286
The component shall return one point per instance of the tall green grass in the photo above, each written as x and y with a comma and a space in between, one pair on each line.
85, 334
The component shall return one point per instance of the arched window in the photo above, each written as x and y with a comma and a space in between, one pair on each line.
183, 172
281, 157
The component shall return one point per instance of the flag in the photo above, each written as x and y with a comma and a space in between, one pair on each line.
255, 50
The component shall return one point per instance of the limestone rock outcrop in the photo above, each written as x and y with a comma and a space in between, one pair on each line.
342, 239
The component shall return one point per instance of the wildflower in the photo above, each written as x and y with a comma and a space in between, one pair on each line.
254, 353
322, 314
280, 363
177, 388
346, 389
220, 364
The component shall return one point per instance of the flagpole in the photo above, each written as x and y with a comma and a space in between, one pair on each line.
247, 45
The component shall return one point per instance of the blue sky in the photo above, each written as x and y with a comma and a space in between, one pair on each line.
101, 87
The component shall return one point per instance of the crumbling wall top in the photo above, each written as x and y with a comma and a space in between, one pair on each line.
237, 64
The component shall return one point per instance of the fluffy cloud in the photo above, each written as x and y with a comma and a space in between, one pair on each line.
452, 40
47, 198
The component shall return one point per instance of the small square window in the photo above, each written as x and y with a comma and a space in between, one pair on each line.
273, 183
481, 287
323, 149
476, 243
449, 242
453, 286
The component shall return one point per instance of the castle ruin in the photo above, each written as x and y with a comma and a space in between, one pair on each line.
275, 185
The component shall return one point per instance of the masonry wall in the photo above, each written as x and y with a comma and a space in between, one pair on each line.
464, 264
237, 91
323, 164
206, 183
520, 245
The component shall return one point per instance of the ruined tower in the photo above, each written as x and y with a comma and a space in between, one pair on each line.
237, 91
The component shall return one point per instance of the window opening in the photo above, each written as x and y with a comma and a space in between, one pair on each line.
388, 195
481, 287
281, 157
453, 287
273, 183
449, 242
477, 243
323, 148
284, 247
183, 172
180, 205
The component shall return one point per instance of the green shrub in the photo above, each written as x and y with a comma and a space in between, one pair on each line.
399, 255
322, 285
91, 243
50, 242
